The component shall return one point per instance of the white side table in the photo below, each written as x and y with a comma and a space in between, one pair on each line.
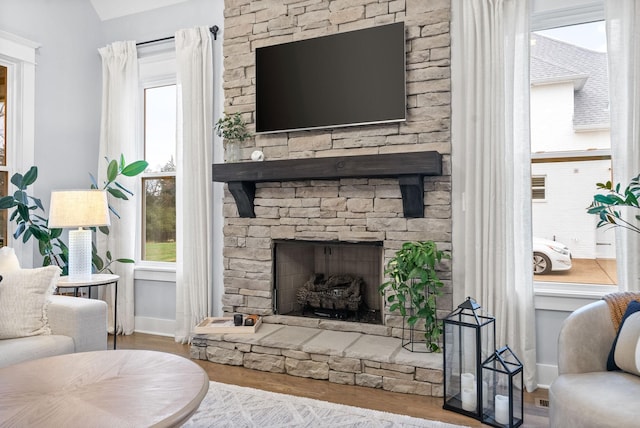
95, 281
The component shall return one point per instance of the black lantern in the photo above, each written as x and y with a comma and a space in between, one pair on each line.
469, 339
502, 373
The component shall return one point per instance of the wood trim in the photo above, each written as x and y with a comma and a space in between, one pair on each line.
410, 168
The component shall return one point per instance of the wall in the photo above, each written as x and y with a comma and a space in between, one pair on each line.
342, 209
67, 112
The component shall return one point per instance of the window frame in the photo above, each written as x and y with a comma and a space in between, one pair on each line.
19, 56
558, 296
157, 67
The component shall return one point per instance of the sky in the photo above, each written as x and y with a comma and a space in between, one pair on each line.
590, 36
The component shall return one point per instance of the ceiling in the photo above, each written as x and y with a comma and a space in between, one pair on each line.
109, 9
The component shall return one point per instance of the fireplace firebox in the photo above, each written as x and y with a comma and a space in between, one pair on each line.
332, 279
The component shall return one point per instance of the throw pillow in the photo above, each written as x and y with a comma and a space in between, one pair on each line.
8, 260
632, 308
24, 296
627, 353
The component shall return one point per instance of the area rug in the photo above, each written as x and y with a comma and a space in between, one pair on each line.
240, 407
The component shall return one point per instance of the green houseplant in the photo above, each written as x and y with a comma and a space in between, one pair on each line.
233, 129
413, 286
31, 224
606, 206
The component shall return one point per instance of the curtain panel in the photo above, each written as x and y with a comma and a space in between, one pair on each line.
623, 47
491, 173
118, 134
193, 179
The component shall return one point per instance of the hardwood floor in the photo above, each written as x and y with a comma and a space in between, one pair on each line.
412, 405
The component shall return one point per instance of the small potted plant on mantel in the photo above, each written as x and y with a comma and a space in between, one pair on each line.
233, 129
412, 289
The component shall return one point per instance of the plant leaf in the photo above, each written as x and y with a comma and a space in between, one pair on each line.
112, 171
30, 177
135, 168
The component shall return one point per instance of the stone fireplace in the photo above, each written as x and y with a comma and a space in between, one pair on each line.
301, 194
262, 214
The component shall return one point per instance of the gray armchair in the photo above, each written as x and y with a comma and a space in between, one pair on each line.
585, 394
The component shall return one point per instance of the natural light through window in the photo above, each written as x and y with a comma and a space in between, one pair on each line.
570, 153
159, 205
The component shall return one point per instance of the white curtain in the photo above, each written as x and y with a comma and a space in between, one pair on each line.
193, 181
118, 135
491, 175
623, 46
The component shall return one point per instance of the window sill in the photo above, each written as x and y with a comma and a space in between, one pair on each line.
567, 297
162, 272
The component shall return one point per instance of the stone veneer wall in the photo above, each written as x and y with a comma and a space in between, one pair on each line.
346, 209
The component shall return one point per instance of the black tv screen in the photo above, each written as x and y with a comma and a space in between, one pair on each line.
351, 78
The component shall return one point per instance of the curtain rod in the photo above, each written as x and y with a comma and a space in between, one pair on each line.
214, 30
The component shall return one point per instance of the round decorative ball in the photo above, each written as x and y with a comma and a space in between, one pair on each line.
257, 156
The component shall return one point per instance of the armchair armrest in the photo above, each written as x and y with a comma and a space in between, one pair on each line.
585, 339
85, 320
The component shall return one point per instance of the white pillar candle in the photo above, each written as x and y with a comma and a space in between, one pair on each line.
467, 380
469, 399
502, 409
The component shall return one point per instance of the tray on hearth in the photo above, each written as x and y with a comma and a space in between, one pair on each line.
217, 325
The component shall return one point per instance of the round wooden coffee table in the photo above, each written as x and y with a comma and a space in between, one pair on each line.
102, 389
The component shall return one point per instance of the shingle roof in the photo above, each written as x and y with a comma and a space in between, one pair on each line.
552, 59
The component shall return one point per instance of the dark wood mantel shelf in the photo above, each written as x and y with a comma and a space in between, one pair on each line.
409, 168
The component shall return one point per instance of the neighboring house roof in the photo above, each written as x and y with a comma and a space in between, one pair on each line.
554, 61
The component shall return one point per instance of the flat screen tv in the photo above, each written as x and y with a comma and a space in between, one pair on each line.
350, 78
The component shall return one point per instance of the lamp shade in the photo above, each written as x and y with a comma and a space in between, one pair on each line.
78, 208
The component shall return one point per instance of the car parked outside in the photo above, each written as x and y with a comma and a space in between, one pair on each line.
550, 256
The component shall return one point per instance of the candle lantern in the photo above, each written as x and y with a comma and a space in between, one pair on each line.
469, 339
502, 373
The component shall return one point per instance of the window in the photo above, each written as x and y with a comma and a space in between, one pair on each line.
571, 148
159, 180
537, 187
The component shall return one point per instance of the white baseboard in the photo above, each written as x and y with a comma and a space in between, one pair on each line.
546, 375
157, 326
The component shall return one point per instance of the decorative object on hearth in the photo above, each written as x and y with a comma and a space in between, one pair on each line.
337, 294
412, 289
233, 129
503, 403
82, 209
469, 339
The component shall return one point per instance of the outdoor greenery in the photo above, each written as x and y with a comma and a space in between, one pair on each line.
413, 286
32, 224
160, 210
606, 206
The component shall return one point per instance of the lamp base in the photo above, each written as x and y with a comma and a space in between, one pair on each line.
80, 254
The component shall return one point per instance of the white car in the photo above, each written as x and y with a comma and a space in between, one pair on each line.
550, 256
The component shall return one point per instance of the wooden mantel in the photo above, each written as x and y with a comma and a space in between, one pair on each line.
409, 168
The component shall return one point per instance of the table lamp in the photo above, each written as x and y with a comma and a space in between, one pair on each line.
79, 208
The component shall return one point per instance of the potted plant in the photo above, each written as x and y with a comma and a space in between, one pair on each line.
31, 224
412, 289
233, 130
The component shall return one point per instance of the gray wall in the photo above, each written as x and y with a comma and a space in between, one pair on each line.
68, 82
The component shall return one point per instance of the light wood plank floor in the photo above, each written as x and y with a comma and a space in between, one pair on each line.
412, 405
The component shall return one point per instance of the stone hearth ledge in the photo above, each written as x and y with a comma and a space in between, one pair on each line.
344, 357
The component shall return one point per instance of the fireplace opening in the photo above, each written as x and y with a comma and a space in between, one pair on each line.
335, 280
